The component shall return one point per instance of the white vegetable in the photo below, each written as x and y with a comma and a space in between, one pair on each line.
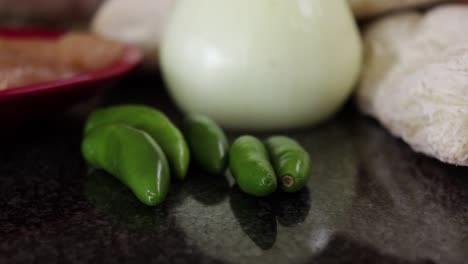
142, 22
263, 64
137, 22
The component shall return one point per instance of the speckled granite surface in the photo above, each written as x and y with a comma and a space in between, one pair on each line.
370, 200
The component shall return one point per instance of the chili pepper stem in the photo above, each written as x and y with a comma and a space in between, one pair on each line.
287, 181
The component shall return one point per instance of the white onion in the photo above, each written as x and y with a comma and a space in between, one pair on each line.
263, 64
137, 22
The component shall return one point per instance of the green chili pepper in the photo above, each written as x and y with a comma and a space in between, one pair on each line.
250, 165
133, 157
291, 162
153, 122
207, 142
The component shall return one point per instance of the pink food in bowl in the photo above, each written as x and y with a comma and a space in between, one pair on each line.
84, 72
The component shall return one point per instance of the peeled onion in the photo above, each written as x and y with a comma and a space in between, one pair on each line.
263, 64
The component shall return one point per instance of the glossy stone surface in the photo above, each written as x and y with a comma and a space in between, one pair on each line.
370, 200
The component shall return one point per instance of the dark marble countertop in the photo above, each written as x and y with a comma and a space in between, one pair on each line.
370, 200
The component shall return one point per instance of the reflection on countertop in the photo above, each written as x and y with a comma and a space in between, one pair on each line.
370, 200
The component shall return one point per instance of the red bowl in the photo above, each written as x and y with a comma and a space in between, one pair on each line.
57, 95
